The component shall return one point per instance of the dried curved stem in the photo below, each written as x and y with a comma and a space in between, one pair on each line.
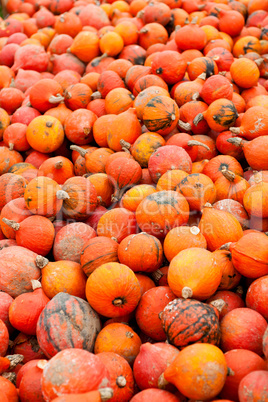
184, 126
236, 141
56, 99
58, 165
12, 224
218, 304
95, 95
228, 174
186, 292
199, 117
157, 275
36, 284
62, 195
192, 143
235, 130
41, 261
78, 149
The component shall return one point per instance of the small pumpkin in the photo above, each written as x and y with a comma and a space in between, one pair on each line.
250, 127
117, 224
45, 134
230, 276
231, 186
144, 146
255, 384
122, 292
134, 196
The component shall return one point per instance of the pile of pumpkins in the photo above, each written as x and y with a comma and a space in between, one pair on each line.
134, 201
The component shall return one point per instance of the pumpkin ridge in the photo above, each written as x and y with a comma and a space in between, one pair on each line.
217, 118
97, 258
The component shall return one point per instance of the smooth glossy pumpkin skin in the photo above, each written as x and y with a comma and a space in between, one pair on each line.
151, 362
141, 252
122, 380
133, 197
122, 290
243, 328
81, 372
30, 384
160, 212
194, 268
181, 238
57, 331
149, 308
202, 383
187, 321
256, 297
118, 338
231, 186
249, 260
242, 362
68, 277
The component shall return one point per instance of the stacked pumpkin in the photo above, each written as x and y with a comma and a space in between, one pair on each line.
133, 201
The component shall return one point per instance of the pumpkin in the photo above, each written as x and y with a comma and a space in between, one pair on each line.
254, 151
100, 129
30, 384
231, 301
189, 90
133, 197
254, 200
145, 96
250, 127
216, 87
220, 115
15, 137
4, 337
181, 238
248, 260
78, 126
170, 180
264, 343
256, 295
141, 252
197, 360
194, 273
161, 115
230, 276
58, 168
118, 100
186, 142
94, 396
198, 189
4, 119
120, 339
123, 173
156, 395
70, 241
253, 384
8, 390
170, 66
22, 315
117, 224
122, 290
68, 277
98, 251
151, 362
144, 146
190, 36
219, 227
236, 209
17, 263
11, 187
168, 157
250, 70
95, 160
231, 186
148, 312
200, 65
241, 362
214, 167
45, 93
81, 198
57, 331
81, 371
6, 301
8, 158
35, 233
243, 328
28, 347
45, 134
162, 211
122, 380
43, 196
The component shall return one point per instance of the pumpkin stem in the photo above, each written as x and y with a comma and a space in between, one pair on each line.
14, 360
208, 205
199, 117
227, 174
143, 30
106, 393
12, 224
162, 382
218, 9
36, 284
157, 275
42, 364
62, 195
118, 302
125, 145
236, 141
239, 290
11, 146
225, 246
58, 165
114, 239
195, 230
230, 372
259, 61
202, 76
186, 292
218, 304
192, 143
177, 27
56, 99
201, 6
121, 381
114, 198
95, 95
41, 261
129, 334
194, 20
235, 130
99, 198
80, 150
140, 14
10, 376
195, 96
184, 126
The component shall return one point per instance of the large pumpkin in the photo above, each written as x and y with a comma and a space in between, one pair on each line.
67, 322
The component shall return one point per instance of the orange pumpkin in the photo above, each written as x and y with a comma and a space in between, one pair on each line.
214, 167
122, 290
182, 238
117, 224
141, 252
85, 46
145, 96
45, 134
245, 72
194, 273
231, 186
58, 168
134, 196
170, 180
120, 339
230, 276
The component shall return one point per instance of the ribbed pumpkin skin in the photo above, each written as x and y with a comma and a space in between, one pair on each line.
187, 321
67, 322
97, 251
